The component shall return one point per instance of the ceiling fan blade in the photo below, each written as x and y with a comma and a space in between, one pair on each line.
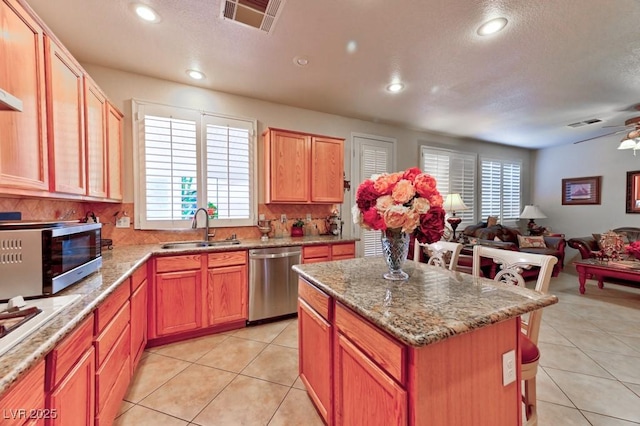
601, 136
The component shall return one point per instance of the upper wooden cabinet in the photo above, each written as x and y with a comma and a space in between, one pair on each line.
303, 168
95, 115
65, 123
23, 151
114, 153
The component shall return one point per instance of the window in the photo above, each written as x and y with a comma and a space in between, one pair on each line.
455, 172
501, 181
188, 159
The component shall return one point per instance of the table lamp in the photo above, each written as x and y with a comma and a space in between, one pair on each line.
453, 203
532, 212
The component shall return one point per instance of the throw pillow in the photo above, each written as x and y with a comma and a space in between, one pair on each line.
531, 242
492, 221
496, 238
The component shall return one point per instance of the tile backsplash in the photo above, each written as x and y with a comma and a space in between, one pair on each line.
47, 209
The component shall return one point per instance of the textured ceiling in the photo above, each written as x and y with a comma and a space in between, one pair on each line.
557, 62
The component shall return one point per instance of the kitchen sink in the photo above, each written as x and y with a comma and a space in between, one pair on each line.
198, 244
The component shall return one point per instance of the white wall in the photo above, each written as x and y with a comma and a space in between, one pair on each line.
120, 87
599, 157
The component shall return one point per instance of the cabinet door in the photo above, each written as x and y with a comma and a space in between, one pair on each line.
23, 151
138, 323
73, 400
227, 294
95, 108
178, 302
364, 394
327, 167
114, 153
65, 120
26, 394
314, 338
287, 157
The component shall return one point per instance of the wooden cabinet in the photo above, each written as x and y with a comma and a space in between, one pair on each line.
302, 168
364, 393
95, 116
65, 120
114, 153
327, 170
70, 378
326, 252
227, 287
177, 295
26, 399
112, 343
23, 151
314, 341
138, 315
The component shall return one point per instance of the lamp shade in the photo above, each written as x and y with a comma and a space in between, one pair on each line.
532, 212
454, 203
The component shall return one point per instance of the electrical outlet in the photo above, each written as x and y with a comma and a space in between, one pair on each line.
123, 222
283, 218
308, 217
508, 367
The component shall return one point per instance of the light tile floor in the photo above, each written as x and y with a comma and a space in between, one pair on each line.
589, 369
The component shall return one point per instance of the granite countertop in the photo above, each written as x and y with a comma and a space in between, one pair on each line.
118, 265
432, 305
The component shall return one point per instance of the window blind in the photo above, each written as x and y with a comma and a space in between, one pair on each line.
501, 188
454, 173
374, 160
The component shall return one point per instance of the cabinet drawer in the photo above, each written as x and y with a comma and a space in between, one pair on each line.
139, 275
114, 399
26, 394
389, 354
177, 263
314, 298
108, 373
110, 307
227, 258
106, 340
63, 357
310, 252
343, 251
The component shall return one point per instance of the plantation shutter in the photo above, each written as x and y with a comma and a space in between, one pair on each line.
170, 169
454, 173
501, 182
374, 160
228, 167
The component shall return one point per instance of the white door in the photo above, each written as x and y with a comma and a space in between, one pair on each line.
372, 155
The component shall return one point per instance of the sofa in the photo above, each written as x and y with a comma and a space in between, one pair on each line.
589, 246
507, 238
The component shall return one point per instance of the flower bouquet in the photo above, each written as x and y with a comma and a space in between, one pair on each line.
400, 204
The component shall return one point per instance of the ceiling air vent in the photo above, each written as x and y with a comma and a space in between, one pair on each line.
584, 123
260, 14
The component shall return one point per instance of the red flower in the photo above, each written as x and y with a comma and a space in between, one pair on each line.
431, 226
366, 195
425, 185
410, 174
372, 218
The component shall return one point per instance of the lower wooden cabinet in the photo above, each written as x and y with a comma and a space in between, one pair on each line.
24, 403
138, 322
227, 294
326, 252
70, 378
365, 394
178, 302
315, 366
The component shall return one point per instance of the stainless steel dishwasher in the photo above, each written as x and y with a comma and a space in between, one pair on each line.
273, 285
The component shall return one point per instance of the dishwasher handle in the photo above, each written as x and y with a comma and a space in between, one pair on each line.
274, 255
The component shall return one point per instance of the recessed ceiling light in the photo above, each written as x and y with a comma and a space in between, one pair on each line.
145, 12
301, 61
195, 74
395, 87
492, 26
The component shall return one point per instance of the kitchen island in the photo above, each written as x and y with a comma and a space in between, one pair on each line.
428, 350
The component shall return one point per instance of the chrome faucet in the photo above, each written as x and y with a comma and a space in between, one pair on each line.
194, 223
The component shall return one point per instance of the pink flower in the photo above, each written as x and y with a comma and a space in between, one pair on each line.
395, 216
403, 192
425, 185
383, 203
410, 174
385, 182
421, 205
373, 219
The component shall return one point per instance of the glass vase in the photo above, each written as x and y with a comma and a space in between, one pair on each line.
395, 247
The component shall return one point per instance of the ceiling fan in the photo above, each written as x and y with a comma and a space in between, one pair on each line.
631, 127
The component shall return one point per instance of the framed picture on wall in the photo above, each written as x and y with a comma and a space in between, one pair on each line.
633, 192
584, 190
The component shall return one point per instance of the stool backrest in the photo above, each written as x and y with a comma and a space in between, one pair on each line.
439, 251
